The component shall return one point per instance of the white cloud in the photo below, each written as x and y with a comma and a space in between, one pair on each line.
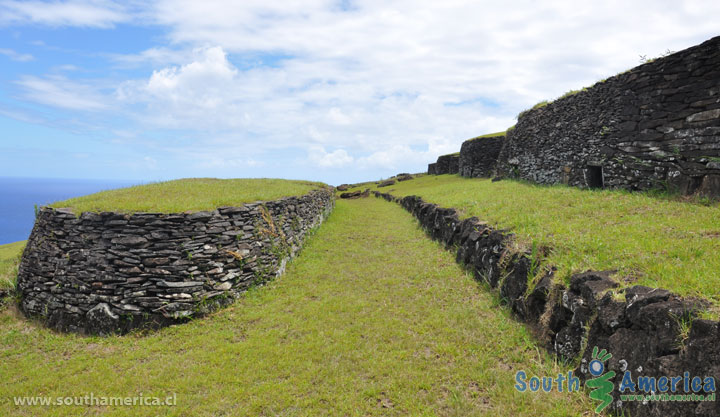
61, 92
156, 56
66, 67
16, 56
93, 13
338, 158
200, 94
388, 72
202, 79
335, 115
384, 85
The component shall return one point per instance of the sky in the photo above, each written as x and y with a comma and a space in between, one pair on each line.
333, 91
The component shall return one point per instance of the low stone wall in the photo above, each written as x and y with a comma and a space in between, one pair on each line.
645, 329
447, 164
654, 126
103, 273
478, 156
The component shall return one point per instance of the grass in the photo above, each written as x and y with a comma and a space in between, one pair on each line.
536, 106
373, 318
9, 260
489, 135
193, 194
653, 241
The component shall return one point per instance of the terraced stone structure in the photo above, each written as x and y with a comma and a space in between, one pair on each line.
478, 156
654, 126
103, 273
447, 164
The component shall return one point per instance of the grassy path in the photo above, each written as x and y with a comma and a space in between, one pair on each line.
653, 241
373, 318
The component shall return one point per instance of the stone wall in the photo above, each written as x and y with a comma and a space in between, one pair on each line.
103, 273
447, 164
644, 328
478, 156
654, 126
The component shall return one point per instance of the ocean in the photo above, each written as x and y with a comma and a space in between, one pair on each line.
18, 197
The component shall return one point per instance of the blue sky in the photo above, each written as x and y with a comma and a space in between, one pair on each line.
336, 91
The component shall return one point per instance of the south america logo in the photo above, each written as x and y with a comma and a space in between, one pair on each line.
601, 383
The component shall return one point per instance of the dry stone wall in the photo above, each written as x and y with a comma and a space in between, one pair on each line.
655, 126
478, 156
446, 164
103, 273
643, 328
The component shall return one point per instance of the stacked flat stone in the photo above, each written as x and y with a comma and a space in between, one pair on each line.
103, 273
447, 164
655, 126
478, 156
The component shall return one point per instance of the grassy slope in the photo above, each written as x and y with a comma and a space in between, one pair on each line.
187, 195
490, 135
373, 318
9, 259
650, 241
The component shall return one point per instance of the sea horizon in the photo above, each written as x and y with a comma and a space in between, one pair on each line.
20, 195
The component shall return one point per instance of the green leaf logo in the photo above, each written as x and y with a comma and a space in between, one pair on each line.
603, 386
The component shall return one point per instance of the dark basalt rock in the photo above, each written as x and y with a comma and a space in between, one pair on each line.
446, 164
646, 128
106, 273
356, 194
591, 285
478, 156
101, 320
539, 296
710, 186
4, 295
514, 286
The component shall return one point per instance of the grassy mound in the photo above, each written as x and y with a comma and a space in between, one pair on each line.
194, 194
373, 318
653, 241
489, 135
9, 260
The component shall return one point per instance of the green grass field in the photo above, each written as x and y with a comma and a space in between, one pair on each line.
658, 242
490, 135
373, 318
9, 260
187, 195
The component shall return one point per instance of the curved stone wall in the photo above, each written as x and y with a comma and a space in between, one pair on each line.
446, 164
654, 126
478, 156
103, 273
432, 169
